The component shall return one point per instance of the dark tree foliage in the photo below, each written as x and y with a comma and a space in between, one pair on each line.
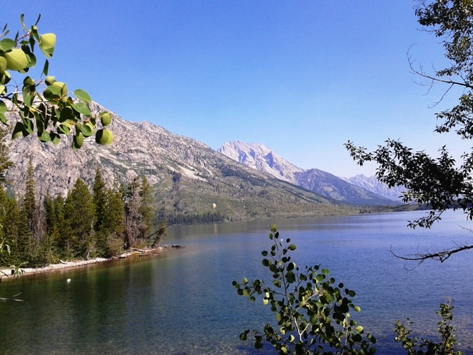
79, 214
441, 182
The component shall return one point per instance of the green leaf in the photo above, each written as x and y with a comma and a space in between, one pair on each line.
77, 141
47, 43
18, 130
3, 107
87, 129
81, 108
45, 137
16, 60
55, 138
6, 44
104, 137
292, 247
66, 114
3, 119
64, 128
52, 93
22, 21
82, 95
46, 68
105, 119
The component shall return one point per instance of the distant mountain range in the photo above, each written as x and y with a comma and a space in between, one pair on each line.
358, 190
189, 179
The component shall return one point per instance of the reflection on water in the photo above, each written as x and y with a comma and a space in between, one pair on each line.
182, 301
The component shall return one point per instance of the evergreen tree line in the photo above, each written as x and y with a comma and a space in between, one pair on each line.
202, 218
85, 224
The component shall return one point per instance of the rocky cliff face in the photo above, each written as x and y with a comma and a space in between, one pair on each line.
259, 157
138, 149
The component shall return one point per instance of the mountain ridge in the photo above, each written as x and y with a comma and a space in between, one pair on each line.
262, 158
188, 177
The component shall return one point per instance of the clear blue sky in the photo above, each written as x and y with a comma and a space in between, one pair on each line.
301, 77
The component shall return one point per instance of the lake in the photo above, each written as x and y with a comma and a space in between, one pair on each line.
181, 302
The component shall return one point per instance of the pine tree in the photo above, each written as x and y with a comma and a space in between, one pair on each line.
115, 221
29, 202
133, 217
146, 209
79, 213
100, 202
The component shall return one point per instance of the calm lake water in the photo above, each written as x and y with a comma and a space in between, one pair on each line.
181, 302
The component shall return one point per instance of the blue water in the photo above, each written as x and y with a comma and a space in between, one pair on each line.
182, 301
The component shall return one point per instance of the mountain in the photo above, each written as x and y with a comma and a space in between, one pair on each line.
373, 185
189, 179
261, 158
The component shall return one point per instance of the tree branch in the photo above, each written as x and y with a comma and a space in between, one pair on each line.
12, 298
441, 256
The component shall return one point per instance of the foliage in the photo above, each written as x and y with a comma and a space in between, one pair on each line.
415, 346
312, 311
441, 182
69, 227
44, 105
79, 216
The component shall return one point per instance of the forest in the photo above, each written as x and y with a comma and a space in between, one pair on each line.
40, 229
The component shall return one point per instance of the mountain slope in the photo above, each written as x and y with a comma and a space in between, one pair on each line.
373, 185
187, 177
259, 157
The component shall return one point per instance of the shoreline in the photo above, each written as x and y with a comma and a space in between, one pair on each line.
5, 273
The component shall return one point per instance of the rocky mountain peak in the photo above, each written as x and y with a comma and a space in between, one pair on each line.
262, 158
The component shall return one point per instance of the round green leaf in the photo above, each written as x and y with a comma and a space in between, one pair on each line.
6, 44
62, 86
50, 80
292, 247
87, 129
82, 108
104, 137
78, 141
105, 118
16, 59
82, 95
47, 43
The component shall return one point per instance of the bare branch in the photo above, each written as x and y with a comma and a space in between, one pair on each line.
441, 256
12, 298
436, 79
